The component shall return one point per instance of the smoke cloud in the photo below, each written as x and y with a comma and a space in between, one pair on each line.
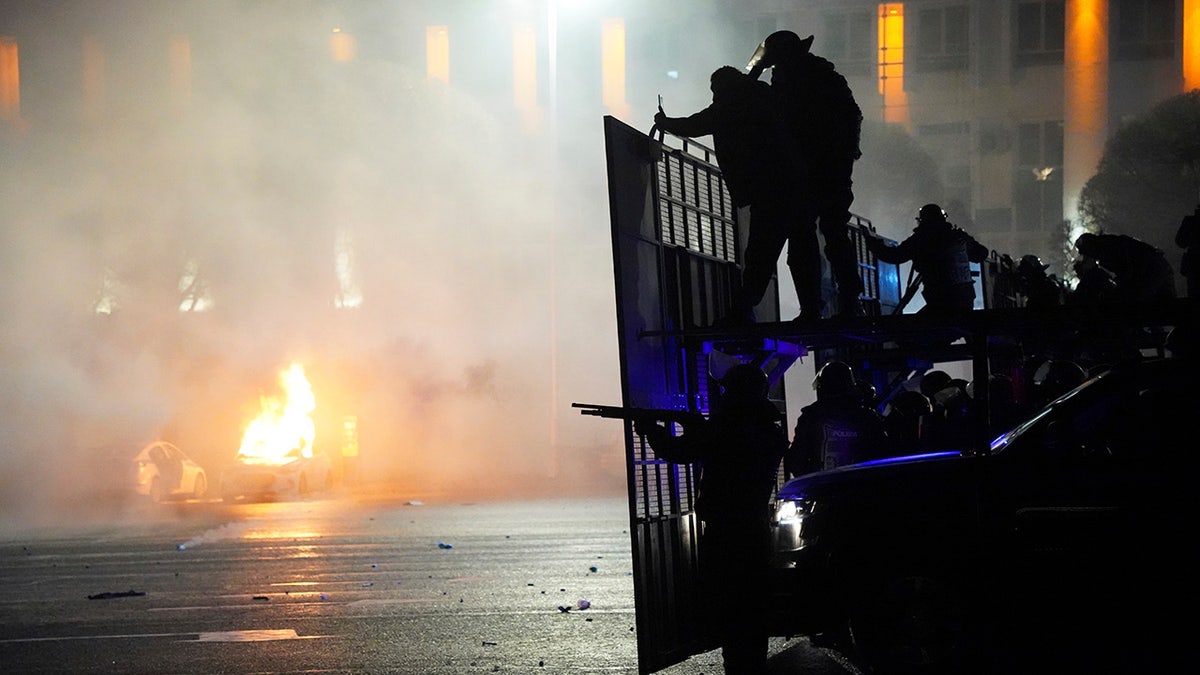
444, 276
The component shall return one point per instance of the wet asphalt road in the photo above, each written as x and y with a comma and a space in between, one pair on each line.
345, 585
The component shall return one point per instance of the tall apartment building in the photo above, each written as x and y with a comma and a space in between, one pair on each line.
1015, 98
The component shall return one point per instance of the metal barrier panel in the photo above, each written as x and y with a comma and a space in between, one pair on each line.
676, 251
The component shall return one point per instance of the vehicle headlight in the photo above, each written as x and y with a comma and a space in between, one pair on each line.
792, 524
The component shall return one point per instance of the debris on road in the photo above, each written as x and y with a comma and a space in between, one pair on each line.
442, 544
116, 594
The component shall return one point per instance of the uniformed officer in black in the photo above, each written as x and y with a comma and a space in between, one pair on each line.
838, 429
764, 172
738, 448
941, 253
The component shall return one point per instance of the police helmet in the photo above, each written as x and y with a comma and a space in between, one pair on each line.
909, 403
1086, 244
933, 381
1060, 376
1031, 264
931, 214
835, 378
744, 381
779, 46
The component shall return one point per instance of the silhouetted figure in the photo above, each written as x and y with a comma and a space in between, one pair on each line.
1040, 290
941, 253
1055, 378
1189, 266
1004, 410
906, 419
1094, 286
838, 428
738, 448
1140, 271
827, 122
763, 172
951, 426
932, 381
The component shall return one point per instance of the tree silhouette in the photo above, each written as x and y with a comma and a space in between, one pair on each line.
1149, 175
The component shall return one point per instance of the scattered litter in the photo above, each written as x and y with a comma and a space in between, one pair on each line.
488, 643
442, 544
589, 619
564, 609
374, 564
593, 569
583, 604
116, 594
415, 502
323, 596
368, 584
180, 547
261, 598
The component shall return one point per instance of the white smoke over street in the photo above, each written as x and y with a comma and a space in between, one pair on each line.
444, 276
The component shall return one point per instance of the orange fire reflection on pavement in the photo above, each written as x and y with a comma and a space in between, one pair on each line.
284, 429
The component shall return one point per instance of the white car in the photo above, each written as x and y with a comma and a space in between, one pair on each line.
164, 472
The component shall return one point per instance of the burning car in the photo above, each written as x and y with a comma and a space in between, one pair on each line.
298, 476
276, 458
163, 471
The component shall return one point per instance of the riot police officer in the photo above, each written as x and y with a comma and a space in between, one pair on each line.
838, 428
738, 449
941, 253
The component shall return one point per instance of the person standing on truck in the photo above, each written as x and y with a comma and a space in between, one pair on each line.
738, 448
763, 173
826, 122
838, 429
941, 253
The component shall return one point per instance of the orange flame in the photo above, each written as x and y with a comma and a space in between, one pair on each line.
284, 429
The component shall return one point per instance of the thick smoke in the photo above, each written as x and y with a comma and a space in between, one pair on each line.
479, 252
274, 180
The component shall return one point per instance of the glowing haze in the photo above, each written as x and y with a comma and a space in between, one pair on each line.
197, 194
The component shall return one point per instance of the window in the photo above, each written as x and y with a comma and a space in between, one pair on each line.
1037, 183
850, 40
941, 39
1040, 34
1143, 29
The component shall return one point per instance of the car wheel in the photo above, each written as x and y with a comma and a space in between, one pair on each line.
200, 488
910, 623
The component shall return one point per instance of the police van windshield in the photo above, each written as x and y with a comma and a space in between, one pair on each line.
1004, 440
